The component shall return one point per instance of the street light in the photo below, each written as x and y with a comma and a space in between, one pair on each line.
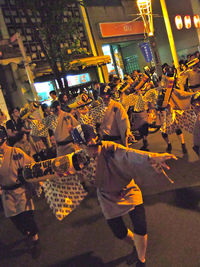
145, 9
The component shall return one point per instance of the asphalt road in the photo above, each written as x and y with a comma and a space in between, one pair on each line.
84, 240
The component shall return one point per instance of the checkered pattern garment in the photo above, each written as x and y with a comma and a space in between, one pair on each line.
178, 119
139, 101
66, 193
63, 195
94, 116
40, 128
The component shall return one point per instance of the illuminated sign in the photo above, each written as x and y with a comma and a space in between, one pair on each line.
74, 80
43, 90
114, 29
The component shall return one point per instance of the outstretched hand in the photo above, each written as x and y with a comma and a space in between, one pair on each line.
157, 160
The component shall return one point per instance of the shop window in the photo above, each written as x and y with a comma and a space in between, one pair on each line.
19, 30
34, 56
33, 48
17, 20
29, 38
24, 20
7, 20
11, 31
6, 12
12, 2
14, 13
28, 30
131, 63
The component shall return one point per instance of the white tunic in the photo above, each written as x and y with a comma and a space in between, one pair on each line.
18, 200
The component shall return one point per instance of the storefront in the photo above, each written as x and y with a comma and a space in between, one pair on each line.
83, 74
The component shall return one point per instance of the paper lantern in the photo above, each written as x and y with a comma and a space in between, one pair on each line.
178, 22
196, 21
187, 22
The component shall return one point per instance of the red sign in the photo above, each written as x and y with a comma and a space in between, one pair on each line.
114, 29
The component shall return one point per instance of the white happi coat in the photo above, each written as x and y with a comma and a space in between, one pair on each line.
117, 170
18, 200
65, 123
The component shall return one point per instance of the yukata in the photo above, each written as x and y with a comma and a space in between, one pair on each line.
17, 200
115, 125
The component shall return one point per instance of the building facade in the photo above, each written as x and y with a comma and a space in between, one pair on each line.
108, 27
124, 47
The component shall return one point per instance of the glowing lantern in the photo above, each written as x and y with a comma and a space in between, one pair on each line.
178, 22
196, 21
187, 22
145, 9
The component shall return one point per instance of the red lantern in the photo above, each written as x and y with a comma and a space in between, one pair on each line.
187, 22
178, 22
196, 21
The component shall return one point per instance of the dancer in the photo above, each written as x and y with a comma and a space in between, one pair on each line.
117, 192
16, 197
115, 125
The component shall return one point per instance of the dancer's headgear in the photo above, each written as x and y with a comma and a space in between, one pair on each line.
83, 133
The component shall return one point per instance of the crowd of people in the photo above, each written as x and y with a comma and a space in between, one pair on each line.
102, 122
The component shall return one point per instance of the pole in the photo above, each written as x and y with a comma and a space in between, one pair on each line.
26, 65
91, 40
29, 73
170, 35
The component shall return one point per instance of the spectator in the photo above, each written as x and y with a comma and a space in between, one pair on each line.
14, 127
63, 99
53, 95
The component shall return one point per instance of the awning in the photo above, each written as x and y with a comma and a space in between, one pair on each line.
90, 61
44, 69
6, 61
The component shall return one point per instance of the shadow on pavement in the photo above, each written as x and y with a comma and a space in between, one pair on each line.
87, 220
88, 260
11, 250
186, 198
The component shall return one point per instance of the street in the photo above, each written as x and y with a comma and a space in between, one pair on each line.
83, 239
